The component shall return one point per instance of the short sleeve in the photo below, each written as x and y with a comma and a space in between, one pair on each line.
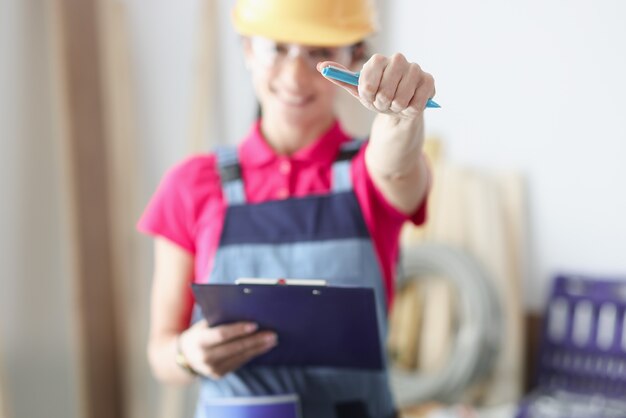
173, 209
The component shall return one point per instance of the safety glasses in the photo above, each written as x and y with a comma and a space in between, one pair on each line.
273, 54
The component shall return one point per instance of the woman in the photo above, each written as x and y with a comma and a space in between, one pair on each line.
296, 163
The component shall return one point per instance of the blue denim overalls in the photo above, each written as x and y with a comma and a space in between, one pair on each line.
313, 237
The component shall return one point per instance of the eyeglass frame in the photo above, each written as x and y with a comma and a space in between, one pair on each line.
267, 52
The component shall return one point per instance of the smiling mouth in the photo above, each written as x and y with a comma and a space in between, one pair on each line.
295, 101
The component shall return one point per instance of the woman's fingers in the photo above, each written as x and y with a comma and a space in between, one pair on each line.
219, 353
424, 91
215, 351
370, 80
242, 354
200, 339
223, 333
406, 89
393, 73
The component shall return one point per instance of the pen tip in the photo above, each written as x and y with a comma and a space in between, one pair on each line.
432, 104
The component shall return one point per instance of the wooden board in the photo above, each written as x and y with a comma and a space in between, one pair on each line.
483, 213
437, 324
4, 410
80, 106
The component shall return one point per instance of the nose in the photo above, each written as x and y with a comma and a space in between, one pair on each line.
296, 71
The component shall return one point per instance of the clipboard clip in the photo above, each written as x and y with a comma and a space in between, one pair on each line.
281, 282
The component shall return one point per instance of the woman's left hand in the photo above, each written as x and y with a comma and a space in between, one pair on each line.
390, 85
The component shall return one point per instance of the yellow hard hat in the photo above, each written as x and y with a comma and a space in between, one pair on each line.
307, 22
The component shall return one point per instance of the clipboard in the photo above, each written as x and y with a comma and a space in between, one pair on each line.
317, 325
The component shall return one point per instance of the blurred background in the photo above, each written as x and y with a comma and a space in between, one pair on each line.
98, 98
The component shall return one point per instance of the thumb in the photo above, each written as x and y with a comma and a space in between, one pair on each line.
353, 90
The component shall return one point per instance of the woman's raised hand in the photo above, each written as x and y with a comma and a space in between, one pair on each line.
390, 85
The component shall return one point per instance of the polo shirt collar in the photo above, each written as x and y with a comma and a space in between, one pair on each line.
256, 151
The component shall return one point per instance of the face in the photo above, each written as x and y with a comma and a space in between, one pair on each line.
287, 83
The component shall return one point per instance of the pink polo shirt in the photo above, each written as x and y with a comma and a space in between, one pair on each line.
188, 207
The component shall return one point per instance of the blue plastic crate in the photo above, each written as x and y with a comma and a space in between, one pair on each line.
582, 359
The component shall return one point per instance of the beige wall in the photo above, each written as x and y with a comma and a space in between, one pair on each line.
536, 86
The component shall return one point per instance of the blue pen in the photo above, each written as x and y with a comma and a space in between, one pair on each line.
353, 78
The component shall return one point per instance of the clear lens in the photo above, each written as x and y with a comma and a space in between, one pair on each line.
273, 54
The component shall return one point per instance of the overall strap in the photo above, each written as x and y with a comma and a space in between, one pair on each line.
342, 180
230, 175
